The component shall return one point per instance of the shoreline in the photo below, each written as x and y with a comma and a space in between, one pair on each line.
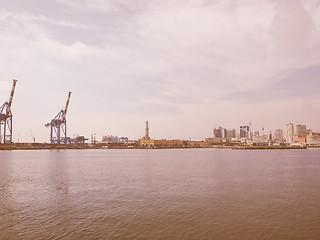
55, 147
268, 147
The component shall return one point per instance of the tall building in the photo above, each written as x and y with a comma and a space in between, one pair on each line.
278, 135
289, 132
244, 132
270, 136
219, 132
301, 130
250, 131
147, 131
230, 133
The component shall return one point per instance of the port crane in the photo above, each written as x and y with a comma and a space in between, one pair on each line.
6, 118
33, 138
58, 126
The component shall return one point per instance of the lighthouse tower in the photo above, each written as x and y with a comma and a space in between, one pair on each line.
147, 131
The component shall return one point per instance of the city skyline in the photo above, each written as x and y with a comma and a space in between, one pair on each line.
185, 66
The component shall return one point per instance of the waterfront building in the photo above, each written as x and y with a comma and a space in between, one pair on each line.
200, 144
244, 131
260, 139
219, 132
289, 132
313, 138
163, 143
298, 139
301, 130
278, 135
110, 139
147, 142
251, 132
214, 140
230, 133
124, 140
270, 136
114, 139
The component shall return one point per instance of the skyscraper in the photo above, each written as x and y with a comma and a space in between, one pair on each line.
270, 136
219, 132
230, 133
278, 135
301, 130
289, 132
244, 132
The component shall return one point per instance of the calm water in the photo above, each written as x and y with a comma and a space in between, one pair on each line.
160, 194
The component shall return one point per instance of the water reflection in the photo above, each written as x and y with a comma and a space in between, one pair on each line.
8, 208
147, 168
58, 179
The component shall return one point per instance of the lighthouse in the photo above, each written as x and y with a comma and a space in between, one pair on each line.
147, 131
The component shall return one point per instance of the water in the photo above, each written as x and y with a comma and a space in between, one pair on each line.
160, 194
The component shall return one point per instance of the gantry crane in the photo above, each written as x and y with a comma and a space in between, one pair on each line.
6, 119
58, 126
33, 138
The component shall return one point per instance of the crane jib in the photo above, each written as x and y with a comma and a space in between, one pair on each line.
66, 108
11, 97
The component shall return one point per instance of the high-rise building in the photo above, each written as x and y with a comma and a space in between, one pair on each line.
289, 132
244, 131
270, 136
250, 131
230, 133
301, 130
278, 135
219, 132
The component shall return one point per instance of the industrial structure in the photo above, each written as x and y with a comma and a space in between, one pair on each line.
6, 119
58, 126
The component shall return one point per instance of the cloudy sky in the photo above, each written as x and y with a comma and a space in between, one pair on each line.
186, 66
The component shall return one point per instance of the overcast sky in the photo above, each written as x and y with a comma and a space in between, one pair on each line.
186, 66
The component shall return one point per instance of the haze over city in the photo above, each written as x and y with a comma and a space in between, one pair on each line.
186, 66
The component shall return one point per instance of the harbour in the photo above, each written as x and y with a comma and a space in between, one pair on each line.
165, 194
159, 120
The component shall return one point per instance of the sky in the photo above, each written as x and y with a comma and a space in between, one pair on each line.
185, 66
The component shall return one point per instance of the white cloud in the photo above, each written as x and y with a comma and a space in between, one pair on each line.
27, 17
91, 5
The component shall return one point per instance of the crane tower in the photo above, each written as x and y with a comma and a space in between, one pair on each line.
6, 119
58, 126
